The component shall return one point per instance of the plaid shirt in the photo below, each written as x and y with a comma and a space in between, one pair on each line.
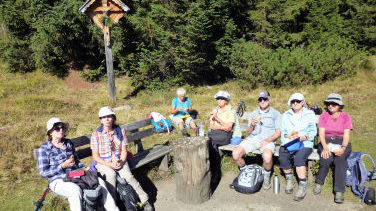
50, 159
108, 144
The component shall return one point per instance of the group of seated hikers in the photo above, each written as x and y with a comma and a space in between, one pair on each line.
56, 157
296, 126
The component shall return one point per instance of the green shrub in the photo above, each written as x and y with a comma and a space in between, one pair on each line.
320, 61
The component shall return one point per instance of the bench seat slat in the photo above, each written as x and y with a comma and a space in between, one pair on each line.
229, 147
81, 141
136, 125
151, 154
140, 135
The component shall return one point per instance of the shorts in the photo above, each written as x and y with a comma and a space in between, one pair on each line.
178, 120
250, 145
300, 157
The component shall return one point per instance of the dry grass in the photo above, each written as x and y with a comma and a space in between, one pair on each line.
29, 100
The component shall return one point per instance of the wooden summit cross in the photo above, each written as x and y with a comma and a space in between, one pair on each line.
106, 13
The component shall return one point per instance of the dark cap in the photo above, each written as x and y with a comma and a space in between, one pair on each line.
264, 94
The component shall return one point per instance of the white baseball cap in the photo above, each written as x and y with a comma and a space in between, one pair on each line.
105, 111
223, 94
296, 96
53, 121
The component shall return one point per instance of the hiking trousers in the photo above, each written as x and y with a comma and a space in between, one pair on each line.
340, 166
74, 194
109, 176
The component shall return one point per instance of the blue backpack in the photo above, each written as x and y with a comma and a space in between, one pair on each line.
162, 126
357, 176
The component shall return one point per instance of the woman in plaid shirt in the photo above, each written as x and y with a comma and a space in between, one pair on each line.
56, 159
109, 149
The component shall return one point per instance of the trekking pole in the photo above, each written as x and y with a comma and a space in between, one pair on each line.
39, 204
241, 108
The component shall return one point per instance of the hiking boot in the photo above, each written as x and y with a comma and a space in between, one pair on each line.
339, 198
266, 184
301, 193
184, 132
146, 206
317, 189
289, 184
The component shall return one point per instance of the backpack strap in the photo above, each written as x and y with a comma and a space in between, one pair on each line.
366, 175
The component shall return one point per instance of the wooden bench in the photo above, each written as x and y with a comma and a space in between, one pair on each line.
243, 126
141, 157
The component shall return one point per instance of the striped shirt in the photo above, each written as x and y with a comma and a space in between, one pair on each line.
50, 159
108, 144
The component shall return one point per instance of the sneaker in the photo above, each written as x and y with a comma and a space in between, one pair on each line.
301, 193
289, 184
339, 198
317, 189
146, 206
266, 184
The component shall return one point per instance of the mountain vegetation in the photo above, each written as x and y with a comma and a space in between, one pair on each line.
161, 43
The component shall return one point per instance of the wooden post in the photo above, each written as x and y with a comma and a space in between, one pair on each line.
192, 170
109, 62
109, 10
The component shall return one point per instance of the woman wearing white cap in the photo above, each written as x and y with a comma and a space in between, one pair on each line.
334, 148
299, 127
109, 148
222, 120
56, 159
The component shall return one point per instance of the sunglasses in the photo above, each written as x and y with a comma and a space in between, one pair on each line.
263, 99
58, 128
221, 98
295, 101
331, 104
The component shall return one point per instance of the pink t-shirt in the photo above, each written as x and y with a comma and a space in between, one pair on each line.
335, 127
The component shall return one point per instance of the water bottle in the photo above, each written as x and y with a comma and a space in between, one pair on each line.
201, 130
276, 184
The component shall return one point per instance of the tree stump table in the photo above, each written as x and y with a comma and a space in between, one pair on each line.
192, 170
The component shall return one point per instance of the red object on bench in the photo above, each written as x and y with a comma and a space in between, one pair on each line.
76, 173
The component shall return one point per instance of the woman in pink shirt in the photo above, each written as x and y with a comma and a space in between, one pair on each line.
334, 148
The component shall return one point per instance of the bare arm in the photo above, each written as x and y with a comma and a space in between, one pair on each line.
325, 150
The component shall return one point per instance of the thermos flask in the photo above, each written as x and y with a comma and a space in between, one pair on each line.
276, 184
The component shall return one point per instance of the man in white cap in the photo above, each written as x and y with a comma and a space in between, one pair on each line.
264, 127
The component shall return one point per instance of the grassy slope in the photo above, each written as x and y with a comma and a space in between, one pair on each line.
29, 100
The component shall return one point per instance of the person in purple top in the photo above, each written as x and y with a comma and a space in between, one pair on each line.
334, 148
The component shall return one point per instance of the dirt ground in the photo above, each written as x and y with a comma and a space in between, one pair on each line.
225, 198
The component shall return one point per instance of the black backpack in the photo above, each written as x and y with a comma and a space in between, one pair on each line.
127, 194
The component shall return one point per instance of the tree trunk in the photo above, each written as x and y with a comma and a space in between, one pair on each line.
192, 170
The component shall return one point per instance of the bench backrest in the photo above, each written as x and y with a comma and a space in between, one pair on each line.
133, 134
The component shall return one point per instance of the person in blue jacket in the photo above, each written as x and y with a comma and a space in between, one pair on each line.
181, 107
298, 125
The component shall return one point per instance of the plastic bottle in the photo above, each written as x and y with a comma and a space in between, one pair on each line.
201, 130
276, 184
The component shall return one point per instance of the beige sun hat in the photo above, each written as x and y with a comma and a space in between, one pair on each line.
105, 111
54, 120
334, 98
